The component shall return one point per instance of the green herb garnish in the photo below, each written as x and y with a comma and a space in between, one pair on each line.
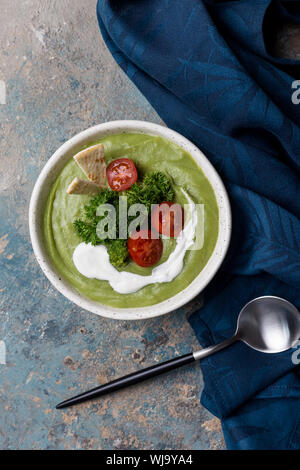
118, 253
153, 189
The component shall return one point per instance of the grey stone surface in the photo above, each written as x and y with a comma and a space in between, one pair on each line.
60, 79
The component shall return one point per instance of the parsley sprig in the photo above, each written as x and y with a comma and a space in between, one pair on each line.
156, 187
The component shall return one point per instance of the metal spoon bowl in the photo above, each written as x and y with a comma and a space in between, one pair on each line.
269, 324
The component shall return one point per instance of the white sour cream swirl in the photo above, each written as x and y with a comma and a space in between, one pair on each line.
93, 261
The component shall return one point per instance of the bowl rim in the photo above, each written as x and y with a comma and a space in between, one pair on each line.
56, 163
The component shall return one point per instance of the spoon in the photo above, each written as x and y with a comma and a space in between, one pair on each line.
267, 324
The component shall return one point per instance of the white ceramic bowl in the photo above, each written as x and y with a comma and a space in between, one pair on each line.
50, 173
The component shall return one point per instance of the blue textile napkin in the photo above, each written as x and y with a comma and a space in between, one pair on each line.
207, 69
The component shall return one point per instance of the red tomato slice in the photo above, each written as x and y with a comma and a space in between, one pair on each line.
167, 218
145, 249
121, 174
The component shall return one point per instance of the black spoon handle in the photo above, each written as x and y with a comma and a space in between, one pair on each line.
129, 379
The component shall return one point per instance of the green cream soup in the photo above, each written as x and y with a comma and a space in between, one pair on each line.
149, 154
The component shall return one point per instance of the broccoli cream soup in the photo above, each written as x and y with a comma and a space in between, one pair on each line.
149, 154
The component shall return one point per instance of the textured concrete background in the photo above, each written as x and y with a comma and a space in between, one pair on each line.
60, 80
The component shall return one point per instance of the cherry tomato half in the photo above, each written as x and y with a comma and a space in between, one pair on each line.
167, 218
121, 174
145, 249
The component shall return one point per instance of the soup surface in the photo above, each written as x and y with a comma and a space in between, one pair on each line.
149, 153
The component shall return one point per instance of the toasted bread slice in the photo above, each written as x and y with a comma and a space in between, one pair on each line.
79, 186
92, 163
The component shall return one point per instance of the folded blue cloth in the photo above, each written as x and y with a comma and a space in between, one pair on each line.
206, 67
